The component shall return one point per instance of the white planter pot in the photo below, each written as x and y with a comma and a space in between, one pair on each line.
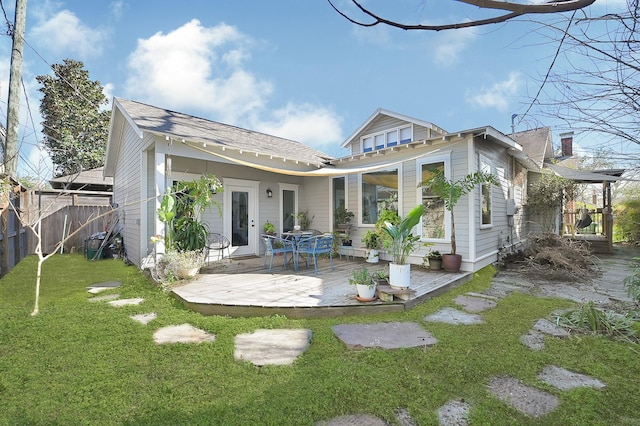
399, 275
185, 273
365, 291
372, 256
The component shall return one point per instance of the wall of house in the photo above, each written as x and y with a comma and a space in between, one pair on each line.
127, 190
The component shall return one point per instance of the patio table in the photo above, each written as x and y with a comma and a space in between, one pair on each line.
296, 236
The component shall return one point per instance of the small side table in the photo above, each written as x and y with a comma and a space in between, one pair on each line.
346, 251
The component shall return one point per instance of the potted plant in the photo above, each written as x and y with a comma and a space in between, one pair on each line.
371, 240
450, 192
400, 242
433, 260
342, 217
269, 228
304, 220
365, 284
185, 264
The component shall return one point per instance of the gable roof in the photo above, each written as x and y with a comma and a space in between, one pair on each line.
90, 180
380, 111
536, 143
187, 128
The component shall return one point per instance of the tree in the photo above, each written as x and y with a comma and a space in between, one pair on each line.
75, 127
598, 91
512, 9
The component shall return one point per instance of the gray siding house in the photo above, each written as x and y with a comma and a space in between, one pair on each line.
267, 178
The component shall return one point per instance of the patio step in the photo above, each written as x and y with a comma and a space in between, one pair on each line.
386, 293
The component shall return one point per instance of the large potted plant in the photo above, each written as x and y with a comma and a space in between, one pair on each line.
400, 242
450, 192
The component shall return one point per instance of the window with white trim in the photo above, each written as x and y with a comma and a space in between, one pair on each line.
387, 138
485, 190
434, 216
379, 191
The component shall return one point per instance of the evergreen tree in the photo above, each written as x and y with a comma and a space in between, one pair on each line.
75, 126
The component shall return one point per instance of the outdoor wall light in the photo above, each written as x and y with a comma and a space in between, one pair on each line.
213, 188
269, 193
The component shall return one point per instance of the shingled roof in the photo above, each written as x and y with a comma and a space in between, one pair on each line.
194, 129
536, 143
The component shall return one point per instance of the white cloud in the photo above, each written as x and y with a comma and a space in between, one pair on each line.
312, 125
451, 44
64, 34
203, 69
497, 96
189, 68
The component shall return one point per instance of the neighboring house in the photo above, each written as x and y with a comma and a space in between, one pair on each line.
593, 195
267, 178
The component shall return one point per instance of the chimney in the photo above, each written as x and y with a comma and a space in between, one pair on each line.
566, 142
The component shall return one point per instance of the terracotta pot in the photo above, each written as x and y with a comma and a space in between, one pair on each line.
451, 262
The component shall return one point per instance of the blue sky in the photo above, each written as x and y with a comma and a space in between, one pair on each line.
291, 68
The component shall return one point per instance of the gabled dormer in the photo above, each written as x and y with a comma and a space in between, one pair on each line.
386, 129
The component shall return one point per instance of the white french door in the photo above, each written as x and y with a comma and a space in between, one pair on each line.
240, 215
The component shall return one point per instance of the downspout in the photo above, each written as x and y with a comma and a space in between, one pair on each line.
471, 167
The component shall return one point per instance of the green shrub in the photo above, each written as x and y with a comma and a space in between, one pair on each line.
627, 221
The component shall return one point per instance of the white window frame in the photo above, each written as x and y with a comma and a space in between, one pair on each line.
446, 160
486, 165
398, 169
287, 187
384, 137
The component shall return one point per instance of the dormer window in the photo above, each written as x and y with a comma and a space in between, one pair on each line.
387, 138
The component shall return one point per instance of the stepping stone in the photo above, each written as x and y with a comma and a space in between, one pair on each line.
386, 335
526, 399
104, 298
272, 347
547, 327
354, 420
566, 380
125, 302
455, 317
533, 340
184, 333
484, 296
144, 318
454, 413
474, 304
100, 287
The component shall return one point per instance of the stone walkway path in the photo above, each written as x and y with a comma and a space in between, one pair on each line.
284, 346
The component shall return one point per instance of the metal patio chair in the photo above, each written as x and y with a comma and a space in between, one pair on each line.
217, 243
275, 245
314, 246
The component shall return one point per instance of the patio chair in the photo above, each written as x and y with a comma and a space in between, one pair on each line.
273, 246
217, 243
313, 246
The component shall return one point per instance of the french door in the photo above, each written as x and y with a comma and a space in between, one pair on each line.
240, 213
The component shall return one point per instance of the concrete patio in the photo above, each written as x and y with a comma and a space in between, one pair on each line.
242, 287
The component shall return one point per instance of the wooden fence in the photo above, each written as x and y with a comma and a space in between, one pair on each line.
68, 220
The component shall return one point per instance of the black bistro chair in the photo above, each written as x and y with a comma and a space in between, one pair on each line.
217, 244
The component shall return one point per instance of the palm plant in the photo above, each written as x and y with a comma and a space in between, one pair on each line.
451, 191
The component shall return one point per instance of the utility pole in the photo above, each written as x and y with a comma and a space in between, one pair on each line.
10, 159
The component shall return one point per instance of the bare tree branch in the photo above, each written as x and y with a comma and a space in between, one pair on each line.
515, 10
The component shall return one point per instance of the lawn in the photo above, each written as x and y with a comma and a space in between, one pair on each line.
89, 363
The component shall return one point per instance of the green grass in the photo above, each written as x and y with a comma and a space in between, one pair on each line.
89, 363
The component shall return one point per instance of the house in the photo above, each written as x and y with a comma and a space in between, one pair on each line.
267, 178
591, 197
